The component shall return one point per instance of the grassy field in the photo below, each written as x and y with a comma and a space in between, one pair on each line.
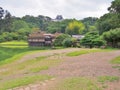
11, 51
27, 72
14, 44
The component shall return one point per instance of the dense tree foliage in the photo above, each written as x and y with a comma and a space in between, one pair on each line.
115, 7
107, 22
1, 12
90, 24
58, 26
39, 21
67, 42
75, 27
112, 19
112, 37
58, 41
5, 21
92, 39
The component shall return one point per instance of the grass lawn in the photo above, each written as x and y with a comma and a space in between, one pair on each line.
104, 79
28, 71
77, 83
10, 51
27, 68
23, 81
116, 62
14, 44
86, 51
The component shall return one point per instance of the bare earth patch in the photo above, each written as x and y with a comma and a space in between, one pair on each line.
90, 65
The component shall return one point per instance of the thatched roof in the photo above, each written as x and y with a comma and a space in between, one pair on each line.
42, 35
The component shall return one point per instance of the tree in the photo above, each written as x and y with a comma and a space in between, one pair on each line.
1, 12
58, 41
92, 39
18, 24
110, 20
90, 24
107, 22
58, 26
115, 6
67, 42
8, 22
75, 27
5, 21
112, 37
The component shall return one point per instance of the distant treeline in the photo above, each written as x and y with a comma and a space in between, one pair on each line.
16, 28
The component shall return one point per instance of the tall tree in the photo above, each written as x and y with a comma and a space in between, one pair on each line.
5, 21
1, 12
75, 27
110, 20
115, 6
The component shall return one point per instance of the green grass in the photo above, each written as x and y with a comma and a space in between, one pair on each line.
78, 83
8, 55
116, 60
38, 69
13, 50
23, 81
86, 51
104, 79
28, 68
14, 44
118, 67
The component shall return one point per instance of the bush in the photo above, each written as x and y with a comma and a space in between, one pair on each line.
112, 37
1, 39
58, 41
92, 39
67, 42
98, 42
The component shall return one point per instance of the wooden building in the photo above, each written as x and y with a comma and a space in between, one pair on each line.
41, 39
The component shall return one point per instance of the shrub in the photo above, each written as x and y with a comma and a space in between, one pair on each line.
67, 42
92, 39
58, 41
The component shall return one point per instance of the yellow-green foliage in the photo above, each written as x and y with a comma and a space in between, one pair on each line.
75, 27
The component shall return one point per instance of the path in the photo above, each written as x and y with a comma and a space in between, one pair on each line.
87, 65
94, 64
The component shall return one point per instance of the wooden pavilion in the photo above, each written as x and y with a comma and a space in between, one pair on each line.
40, 38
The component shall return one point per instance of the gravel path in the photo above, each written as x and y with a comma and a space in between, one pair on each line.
94, 64
87, 65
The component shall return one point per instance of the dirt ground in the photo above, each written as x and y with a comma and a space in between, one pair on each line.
87, 65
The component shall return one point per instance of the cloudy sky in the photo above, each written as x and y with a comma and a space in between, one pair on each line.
68, 8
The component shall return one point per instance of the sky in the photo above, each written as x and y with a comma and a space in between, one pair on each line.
78, 9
